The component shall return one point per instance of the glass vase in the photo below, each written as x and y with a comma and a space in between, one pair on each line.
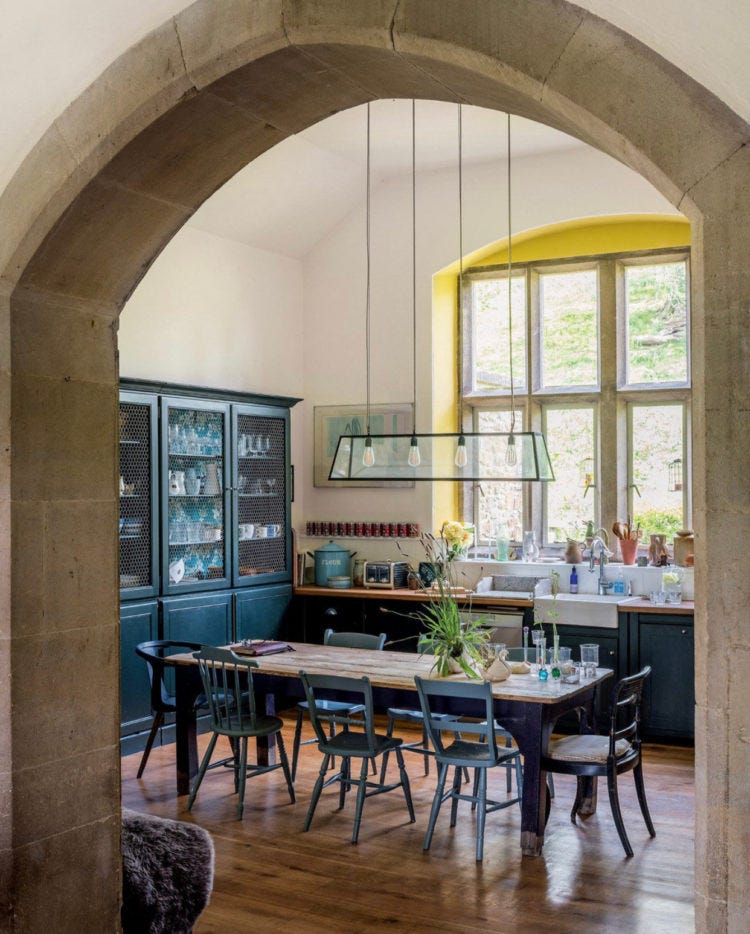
530, 550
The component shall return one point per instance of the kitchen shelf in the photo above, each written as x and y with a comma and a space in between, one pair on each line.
203, 457
214, 541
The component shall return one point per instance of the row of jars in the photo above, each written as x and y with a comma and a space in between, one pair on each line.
365, 529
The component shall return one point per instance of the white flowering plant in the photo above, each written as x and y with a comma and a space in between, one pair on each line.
458, 536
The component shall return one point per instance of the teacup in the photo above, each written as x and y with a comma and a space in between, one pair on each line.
272, 530
261, 531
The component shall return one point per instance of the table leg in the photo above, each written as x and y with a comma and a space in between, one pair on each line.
186, 753
532, 735
587, 807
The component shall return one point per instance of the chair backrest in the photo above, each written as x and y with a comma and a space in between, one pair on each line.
318, 687
435, 696
354, 640
625, 710
228, 686
154, 653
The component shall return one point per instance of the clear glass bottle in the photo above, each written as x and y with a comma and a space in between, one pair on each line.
530, 550
358, 572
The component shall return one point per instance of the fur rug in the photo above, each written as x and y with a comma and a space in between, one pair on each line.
167, 874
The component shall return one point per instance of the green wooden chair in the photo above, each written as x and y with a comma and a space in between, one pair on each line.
346, 640
480, 755
362, 742
228, 687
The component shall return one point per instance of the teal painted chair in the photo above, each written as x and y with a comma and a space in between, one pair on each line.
346, 640
481, 754
358, 740
228, 687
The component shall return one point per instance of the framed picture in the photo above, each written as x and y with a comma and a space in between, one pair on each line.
332, 421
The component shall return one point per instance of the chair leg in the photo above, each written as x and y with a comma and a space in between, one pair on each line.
425, 743
482, 812
436, 802
519, 780
384, 765
297, 742
508, 776
345, 780
158, 720
405, 784
242, 777
456, 792
285, 765
614, 801
641, 792
316, 791
551, 784
577, 800
361, 789
475, 790
202, 770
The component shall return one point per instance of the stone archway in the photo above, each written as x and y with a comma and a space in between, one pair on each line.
104, 190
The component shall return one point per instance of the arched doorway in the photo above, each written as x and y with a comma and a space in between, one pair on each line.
108, 186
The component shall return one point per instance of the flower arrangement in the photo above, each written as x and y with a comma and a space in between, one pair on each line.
458, 536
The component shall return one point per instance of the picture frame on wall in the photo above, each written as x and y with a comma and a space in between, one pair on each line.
331, 421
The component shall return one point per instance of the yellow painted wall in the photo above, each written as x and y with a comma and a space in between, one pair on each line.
583, 237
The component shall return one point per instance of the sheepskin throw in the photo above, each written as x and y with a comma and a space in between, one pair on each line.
167, 874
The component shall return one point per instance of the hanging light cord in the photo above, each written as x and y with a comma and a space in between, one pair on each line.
367, 270
460, 245
414, 262
510, 294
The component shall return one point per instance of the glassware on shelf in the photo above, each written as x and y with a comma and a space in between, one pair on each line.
530, 550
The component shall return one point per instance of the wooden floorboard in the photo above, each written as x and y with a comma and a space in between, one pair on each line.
271, 877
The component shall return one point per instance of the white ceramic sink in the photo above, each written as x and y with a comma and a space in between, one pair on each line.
580, 609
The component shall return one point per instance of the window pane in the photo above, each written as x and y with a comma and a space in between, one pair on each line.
571, 442
499, 505
657, 442
656, 308
491, 338
568, 309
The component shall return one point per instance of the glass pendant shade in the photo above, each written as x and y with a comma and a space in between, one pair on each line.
486, 457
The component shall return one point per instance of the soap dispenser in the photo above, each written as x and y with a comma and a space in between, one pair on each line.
574, 581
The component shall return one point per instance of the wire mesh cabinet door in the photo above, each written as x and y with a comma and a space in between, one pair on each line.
195, 495
261, 494
138, 520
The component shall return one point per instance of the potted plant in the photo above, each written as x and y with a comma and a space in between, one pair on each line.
455, 642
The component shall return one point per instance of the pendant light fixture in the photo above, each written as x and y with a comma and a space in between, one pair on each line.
414, 458
461, 456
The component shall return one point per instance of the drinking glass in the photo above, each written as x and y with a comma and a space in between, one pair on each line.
530, 550
589, 659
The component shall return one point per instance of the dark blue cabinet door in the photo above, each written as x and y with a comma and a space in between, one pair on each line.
669, 696
204, 618
262, 612
139, 622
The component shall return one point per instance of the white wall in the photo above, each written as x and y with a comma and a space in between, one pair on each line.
217, 313
571, 183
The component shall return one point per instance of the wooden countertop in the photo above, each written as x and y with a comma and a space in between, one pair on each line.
414, 596
629, 604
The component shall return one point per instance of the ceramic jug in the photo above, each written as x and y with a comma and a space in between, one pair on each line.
192, 483
212, 487
177, 482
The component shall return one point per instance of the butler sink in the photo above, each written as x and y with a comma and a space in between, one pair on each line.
579, 609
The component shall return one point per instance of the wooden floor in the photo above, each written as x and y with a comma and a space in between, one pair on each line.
271, 877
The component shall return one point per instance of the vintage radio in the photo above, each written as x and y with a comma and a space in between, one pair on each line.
389, 575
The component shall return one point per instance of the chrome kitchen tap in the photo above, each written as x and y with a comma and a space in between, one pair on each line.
604, 586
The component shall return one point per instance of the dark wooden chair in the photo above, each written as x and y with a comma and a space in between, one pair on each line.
587, 755
480, 754
362, 742
162, 702
346, 640
228, 687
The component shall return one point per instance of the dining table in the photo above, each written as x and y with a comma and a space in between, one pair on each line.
524, 705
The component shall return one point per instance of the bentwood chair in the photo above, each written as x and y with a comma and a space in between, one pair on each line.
480, 755
608, 756
346, 640
228, 686
361, 742
162, 702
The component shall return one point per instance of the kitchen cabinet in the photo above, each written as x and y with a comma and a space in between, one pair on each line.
138, 520
205, 510
262, 612
139, 622
666, 643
